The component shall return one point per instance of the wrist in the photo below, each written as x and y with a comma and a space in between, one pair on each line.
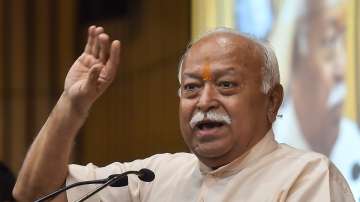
72, 107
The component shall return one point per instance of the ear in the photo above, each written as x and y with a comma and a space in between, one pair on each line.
276, 95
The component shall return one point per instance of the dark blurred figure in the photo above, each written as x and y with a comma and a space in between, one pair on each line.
7, 182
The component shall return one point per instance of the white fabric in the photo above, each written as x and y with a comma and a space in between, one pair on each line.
267, 172
345, 153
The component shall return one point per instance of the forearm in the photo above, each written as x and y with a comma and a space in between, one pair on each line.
45, 166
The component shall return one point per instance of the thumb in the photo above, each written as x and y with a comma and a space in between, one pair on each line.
93, 76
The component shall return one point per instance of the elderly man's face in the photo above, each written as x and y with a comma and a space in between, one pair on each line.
222, 74
322, 80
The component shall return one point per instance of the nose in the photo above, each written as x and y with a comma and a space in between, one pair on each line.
207, 99
340, 62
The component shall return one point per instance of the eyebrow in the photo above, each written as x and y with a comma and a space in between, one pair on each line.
192, 75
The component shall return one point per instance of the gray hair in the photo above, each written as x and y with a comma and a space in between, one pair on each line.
270, 70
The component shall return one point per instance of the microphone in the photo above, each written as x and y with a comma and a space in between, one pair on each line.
115, 180
146, 175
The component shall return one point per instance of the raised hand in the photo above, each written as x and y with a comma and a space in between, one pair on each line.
46, 165
93, 71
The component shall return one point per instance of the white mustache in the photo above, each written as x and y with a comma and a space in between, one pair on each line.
337, 95
211, 116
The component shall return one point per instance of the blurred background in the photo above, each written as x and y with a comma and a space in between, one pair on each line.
137, 117
317, 44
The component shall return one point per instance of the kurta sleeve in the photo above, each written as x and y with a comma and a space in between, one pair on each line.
127, 193
321, 181
79, 173
339, 189
163, 165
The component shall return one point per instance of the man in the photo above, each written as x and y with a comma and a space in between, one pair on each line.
229, 97
313, 111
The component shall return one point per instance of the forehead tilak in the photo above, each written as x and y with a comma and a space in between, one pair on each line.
244, 47
206, 72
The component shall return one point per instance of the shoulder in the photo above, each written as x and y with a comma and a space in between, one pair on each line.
302, 163
293, 154
311, 169
170, 160
181, 156
155, 162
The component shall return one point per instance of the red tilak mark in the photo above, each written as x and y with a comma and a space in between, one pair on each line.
206, 74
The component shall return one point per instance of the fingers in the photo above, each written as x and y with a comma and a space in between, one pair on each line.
92, 45
96, 47
115, 53
93, 76
104, 47
114, 60
99, 46
90, 40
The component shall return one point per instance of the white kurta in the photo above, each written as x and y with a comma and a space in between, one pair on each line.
345, 154
267, 172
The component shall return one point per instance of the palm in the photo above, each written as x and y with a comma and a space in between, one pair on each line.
77, 76
94, 70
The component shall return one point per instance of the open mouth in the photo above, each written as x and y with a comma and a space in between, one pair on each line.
207, 124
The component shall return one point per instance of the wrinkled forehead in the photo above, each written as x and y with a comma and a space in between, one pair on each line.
223, 48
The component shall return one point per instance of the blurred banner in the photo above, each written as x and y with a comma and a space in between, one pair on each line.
317, 45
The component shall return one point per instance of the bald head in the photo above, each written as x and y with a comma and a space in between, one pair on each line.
248, 49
